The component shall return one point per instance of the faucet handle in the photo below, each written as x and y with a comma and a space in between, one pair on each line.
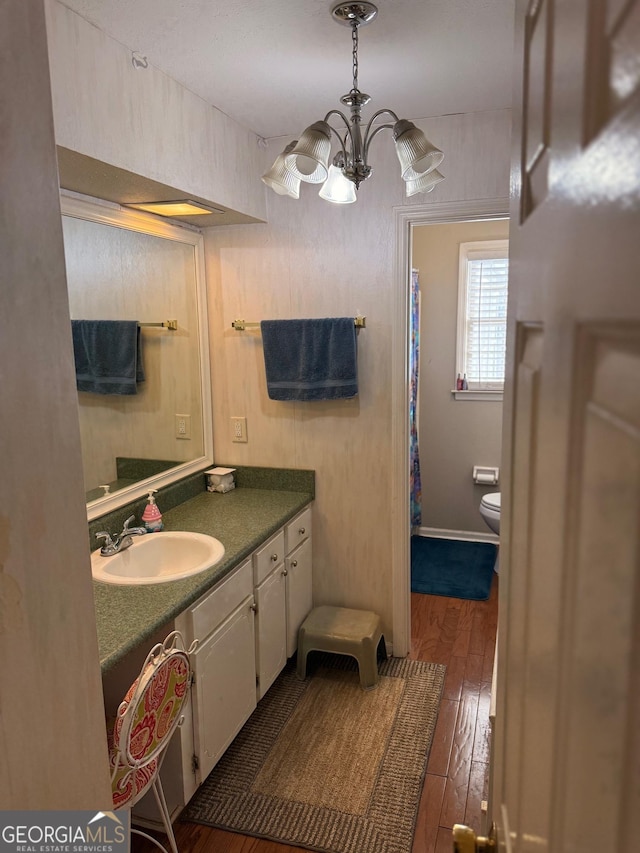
106, 536
127, 523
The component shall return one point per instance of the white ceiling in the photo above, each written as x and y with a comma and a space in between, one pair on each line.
277, 65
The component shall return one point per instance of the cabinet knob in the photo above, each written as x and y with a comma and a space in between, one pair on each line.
284, 573
294, 563
274, 557
302, 531
253, 607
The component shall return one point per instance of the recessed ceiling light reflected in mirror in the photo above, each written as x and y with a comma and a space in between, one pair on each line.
181, 207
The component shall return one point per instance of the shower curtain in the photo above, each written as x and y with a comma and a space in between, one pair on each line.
414, 364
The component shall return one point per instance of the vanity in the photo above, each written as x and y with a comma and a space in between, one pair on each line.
244, 609
245, 613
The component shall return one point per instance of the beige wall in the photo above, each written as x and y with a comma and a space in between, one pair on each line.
54, 748
314, 259
454, 435
143, 121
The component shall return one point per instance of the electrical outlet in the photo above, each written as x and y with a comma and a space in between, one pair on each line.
238, 429
183, 426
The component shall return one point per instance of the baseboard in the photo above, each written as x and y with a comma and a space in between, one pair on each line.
461, 535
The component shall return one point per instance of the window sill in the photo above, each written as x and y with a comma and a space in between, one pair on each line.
485, 396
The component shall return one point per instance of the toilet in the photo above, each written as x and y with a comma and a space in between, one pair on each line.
490, 510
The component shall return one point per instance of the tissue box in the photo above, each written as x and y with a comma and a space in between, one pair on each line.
220, 479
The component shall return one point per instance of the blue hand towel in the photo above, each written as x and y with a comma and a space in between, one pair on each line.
310, 359
108, 356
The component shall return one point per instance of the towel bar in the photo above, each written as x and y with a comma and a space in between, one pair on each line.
359, 321
172, 325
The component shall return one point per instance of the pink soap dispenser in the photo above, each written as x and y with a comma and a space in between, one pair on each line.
152, 517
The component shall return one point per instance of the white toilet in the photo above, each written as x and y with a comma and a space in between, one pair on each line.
490, 510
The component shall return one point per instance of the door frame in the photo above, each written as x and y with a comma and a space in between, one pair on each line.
405, 219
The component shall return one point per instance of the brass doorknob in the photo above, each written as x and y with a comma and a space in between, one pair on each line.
465, 840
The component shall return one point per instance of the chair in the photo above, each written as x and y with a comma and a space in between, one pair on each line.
144, 724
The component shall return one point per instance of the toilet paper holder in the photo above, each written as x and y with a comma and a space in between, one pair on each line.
484, 476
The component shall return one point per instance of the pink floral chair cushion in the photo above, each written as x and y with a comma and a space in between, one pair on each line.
151, 709
128, 785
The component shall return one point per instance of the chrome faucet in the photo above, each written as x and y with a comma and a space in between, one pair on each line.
121, 541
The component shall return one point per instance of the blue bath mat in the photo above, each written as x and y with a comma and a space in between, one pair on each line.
453, 568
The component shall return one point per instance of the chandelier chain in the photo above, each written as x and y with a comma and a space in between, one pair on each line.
354, 41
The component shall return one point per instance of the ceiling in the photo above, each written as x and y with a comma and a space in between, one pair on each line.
275, 66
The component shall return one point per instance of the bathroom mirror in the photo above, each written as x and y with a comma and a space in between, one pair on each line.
124, 265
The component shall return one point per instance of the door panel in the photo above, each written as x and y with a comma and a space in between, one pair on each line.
602, 569
513, 627
567, 745
299, 592
224, 691
271, 630
538, 41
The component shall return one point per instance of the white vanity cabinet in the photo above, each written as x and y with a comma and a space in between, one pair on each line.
283, 593
299, 591
223, 693
271, 612
246, 627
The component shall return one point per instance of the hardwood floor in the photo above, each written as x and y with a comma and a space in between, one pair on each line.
462, 635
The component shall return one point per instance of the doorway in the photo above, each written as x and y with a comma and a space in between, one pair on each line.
456, 431
406, 220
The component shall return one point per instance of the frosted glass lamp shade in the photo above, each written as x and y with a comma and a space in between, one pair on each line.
281, 179
309, 159
337, 188
424, 183
416, 154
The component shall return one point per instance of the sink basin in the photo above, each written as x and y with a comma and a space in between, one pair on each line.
158, 558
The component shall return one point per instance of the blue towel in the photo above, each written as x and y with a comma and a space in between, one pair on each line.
310, 359
108, 356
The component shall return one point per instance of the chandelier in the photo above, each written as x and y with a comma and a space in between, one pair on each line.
309, 158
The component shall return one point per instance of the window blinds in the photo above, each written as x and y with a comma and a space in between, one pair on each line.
486, 321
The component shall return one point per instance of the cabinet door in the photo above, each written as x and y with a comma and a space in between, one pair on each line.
224, 691
271, 634
299, 592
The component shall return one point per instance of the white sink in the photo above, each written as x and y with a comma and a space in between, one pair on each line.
158, 558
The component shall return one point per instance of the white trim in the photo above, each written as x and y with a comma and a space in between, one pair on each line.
406, 217
458, 535
471, 251
147, 224
476, 396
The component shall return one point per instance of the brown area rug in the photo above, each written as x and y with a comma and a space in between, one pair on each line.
324, 765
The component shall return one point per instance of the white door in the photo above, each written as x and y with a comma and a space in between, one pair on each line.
271, 629
299, 592
567, 770
224, 689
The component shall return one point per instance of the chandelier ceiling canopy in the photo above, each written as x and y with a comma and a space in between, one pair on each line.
308, 159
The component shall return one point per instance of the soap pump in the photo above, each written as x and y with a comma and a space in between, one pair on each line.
152, 517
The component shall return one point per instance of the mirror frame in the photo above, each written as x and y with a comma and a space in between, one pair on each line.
111, 214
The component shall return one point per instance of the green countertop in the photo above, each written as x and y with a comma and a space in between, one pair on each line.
242, 520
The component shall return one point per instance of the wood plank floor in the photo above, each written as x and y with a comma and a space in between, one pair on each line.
462, 635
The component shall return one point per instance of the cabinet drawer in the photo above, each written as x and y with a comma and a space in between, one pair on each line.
298, 529
216, 606
268, 556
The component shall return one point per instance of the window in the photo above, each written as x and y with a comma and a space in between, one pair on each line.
482, 313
